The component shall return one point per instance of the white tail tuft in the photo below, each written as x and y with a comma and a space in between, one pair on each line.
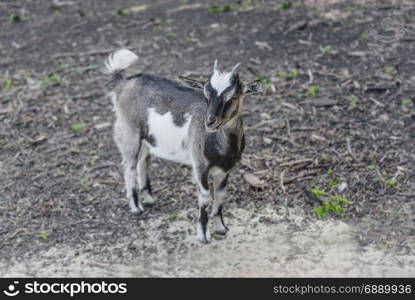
119, 61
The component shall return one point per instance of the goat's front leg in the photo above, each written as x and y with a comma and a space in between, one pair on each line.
220, 179
143, 179
201, 178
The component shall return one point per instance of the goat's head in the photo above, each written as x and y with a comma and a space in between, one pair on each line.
224, 93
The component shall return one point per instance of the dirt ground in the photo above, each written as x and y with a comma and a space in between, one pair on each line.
336, 118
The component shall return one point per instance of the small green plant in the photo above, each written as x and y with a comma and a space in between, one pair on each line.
335, 182
8, 84
291, 75
17, 18
330, 172
406, 101
85, 184
49, 80
77, 128
168, 20
320, 211
264, 80
341, 200
327, 50
285, 5
44, 236
313, 90
354, 101
325, 157
170, 35
318, 193
371, 167
328, 207
364, 36
335, 206
93, 161
172, 218
391, 183
389, 69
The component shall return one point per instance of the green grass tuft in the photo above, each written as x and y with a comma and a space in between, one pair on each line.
391, 183
44, 236
283, 6
8, 84
327, 50
172, 218
49, 80
77, 128
335, 206
318, 193
314, 90
264, 80
389, 69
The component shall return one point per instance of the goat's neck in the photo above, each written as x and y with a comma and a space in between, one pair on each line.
232, 127
235, 125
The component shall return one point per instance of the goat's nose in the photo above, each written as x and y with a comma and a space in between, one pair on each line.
210, 119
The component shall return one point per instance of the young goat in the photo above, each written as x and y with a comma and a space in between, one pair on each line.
200, 126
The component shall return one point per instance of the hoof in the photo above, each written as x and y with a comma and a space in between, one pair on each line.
222, 231
136, 211
203, 240
135, 206
202, 237
149, 202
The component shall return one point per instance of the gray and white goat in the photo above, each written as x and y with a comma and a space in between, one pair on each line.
199, 126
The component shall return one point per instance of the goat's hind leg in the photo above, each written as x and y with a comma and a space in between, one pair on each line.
143, 178
220, 180
129, 145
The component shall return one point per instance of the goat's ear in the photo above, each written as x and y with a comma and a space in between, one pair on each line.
193, 83
252, 87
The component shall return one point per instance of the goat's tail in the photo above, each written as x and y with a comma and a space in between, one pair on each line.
117, 62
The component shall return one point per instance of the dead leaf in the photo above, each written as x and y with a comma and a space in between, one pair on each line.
38, 140
254, 181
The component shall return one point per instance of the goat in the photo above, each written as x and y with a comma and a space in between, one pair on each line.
199, 126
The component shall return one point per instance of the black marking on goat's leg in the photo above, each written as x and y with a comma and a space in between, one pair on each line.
144, 179
147, 194
136, 201
203, 219
223, 183
219, 214
220, 181
201, 177
147, 186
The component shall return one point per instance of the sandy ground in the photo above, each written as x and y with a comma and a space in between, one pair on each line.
271, 243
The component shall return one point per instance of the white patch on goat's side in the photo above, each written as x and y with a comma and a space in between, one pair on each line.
119, 60
220, 81
171, 140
